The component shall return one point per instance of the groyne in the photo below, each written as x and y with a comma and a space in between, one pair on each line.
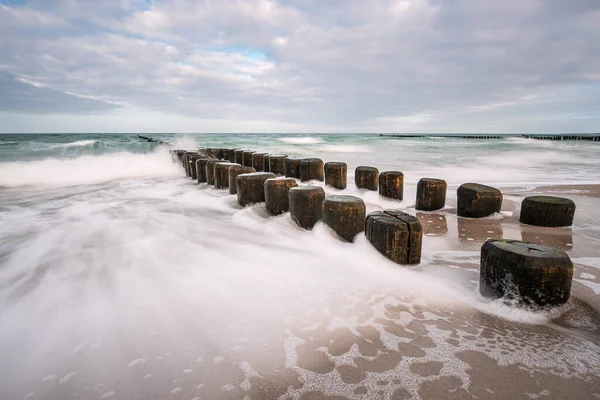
396, 234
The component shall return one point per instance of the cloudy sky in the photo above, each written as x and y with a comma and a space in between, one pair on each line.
299, 66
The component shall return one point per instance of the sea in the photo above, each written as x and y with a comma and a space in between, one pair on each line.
121, 278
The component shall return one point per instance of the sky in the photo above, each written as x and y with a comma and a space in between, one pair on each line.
300, 66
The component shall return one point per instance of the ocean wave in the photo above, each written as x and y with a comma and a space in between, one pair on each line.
301, 140
79, 143
87, 169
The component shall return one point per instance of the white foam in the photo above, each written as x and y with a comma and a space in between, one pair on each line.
79, 143
300, 140
88, 169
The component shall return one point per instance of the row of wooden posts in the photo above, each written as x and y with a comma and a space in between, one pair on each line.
542, 275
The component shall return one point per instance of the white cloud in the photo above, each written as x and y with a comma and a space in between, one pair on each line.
383, 65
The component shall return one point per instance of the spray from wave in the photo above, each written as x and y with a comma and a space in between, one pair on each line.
88, 169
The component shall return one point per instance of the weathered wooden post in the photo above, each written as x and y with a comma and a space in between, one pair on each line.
201, 169
391, 184
336, 174
345, 215
192, 167
225, 153
234, 171
528, 272
292, 167
396, 235
203, 151
231, 155
186, 162
276, 194
277, 164
222, 174
210, 171
251, 187
266, 163
311, 169
247, 155
238, 156
180, 154
306, 205
431, 194
478, 201
366, 177
547, 211
258, 160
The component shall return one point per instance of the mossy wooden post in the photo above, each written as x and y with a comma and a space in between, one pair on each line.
210, 171
277, 164
306, 205
201, 169
391, 184
311, 169
478, 201
528, 272
222, 174
345, 215
266, 165
234, 171
251, 187
276, 194
366, 177
396, 235
336, 174
547, 211
238, 156
258, 160
431, 194
247, 155
292, 167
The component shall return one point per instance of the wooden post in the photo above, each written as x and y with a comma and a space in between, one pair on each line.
258, 160
222, 174
547, 211
527, 272
396, 235
234, 171
391, 184
345, 215
292, 167
277, 164
276, 194
311, 169
210, 171
306, 205
250, 187
248, 158
478, 201
238, 156
336, 174
366, 177
431, 194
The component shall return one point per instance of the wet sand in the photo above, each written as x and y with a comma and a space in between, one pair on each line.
367, 340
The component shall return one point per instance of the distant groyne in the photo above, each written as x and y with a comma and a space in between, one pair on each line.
566, 136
